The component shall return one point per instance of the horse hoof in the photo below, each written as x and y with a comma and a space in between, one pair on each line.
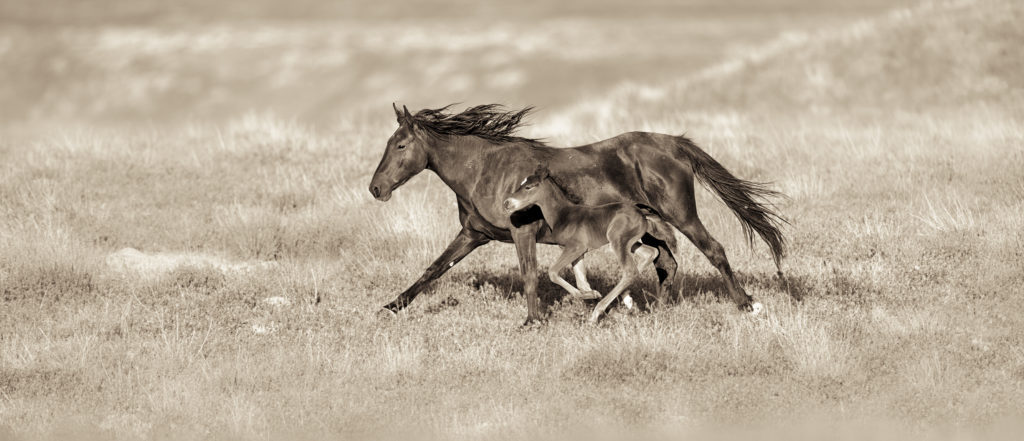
756, 308
532, 323
386, 314
590, 295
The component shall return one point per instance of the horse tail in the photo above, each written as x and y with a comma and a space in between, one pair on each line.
746, 199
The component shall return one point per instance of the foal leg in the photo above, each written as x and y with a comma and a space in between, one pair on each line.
643, 256
569, 254
578, 270
629, 274
695, 231
621, 235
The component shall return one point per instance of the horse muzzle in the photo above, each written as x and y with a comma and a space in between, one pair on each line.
380, 195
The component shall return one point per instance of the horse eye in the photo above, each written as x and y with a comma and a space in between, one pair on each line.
401, 146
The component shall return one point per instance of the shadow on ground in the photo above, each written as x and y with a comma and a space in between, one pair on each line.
509, 284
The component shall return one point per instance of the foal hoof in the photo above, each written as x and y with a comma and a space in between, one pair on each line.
628, 303
756, 308
590, 295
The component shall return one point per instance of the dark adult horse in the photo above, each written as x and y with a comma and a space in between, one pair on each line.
477, 154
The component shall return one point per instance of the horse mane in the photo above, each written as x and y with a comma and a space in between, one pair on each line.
491, 122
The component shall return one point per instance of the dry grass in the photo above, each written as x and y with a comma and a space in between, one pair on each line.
900, 314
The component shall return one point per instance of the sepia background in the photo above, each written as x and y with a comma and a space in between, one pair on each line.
188, 248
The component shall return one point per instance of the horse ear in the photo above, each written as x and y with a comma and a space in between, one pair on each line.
408, 116
398, 113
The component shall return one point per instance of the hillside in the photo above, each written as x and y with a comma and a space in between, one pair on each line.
936, 57
157, 62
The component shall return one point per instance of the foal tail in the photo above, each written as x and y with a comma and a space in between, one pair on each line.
747, 200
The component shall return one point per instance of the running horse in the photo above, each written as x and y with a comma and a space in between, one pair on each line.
479, 156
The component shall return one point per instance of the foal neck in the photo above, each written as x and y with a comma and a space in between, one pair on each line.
555, 205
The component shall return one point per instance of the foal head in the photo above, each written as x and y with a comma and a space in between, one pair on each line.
404, 157
533, 190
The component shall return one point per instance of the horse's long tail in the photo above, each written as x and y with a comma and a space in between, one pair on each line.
747, 200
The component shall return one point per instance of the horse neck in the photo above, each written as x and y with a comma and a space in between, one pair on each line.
455, 160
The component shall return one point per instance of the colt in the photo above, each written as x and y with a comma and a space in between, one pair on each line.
582, 228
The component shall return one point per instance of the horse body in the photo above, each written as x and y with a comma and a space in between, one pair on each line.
475, 154
604, 172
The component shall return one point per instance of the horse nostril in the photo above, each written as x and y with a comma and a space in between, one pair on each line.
508, 205
376, 191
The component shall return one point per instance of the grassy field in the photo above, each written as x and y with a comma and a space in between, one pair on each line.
221, 277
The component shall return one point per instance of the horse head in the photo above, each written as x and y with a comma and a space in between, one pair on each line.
404, 156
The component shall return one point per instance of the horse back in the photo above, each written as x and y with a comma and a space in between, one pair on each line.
637, 167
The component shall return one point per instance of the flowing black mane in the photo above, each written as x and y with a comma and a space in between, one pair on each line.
489, 121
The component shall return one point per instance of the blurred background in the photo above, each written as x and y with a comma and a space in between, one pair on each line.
154, 62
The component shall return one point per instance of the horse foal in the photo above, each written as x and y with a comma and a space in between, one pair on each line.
581, 228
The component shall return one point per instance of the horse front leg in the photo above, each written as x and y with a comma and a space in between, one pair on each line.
525, 238
464, 243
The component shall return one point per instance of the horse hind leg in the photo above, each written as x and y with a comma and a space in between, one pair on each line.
694, 230
664, 264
